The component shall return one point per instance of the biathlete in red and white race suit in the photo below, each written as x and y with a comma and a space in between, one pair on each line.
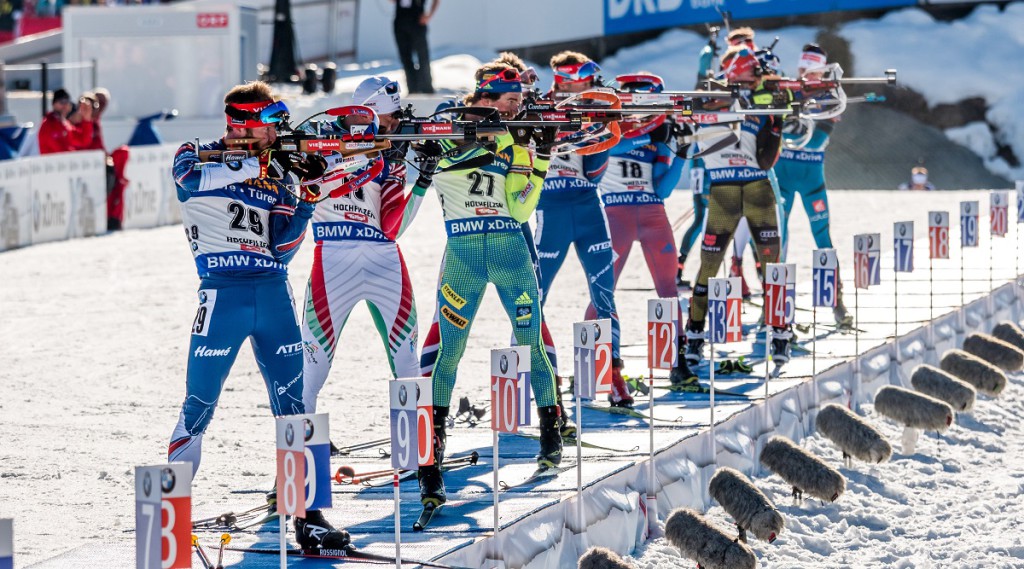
570, 213
642, 172
244, 228
356, 257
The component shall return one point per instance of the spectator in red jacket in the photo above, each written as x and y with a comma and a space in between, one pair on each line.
57, 134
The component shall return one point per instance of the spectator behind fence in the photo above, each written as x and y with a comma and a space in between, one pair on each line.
918, 180
411, 19
57, 133
116, 160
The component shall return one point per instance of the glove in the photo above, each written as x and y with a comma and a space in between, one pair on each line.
428, 154
521, 135
662, 134
545, 138
277, 164
309, 167
309, 193
763, 98
682, 133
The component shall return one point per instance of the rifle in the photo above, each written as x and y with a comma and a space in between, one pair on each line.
298, 139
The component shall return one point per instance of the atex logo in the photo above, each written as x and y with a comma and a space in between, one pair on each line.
603, 246
289, 349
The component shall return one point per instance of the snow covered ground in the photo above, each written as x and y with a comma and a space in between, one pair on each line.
955, 502
94, 336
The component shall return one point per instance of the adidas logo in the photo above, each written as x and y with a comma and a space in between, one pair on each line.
524, 299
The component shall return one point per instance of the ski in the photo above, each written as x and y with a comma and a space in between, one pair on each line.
430, 509
542, 473
344, 451
806, 328
571, 441
700, 389
350, 553
627, 412
231, 521
346, 475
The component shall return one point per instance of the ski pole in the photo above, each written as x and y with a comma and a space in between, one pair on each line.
224, 540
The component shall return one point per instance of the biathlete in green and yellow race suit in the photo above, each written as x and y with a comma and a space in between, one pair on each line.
483, 210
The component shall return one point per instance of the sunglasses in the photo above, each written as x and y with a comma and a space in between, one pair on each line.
576, 72
507, 75
640, 83
253, 115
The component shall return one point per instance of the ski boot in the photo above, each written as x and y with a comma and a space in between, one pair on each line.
314, 532
737, 271
680, 281
692, 349
619, 397
681, 373
844, 320
566, 427
550, 438
430, 478
781, 338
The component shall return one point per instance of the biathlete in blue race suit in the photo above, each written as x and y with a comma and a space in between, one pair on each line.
570, 212
802, 171
244, 227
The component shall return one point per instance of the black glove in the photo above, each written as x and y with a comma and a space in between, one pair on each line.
545, 138
521, 135
428, 154
682, 133
662, 134
279, 163
309, 167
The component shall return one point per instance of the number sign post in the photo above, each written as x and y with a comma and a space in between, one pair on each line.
406, 397
504, 403
903, 250
291, 475
723, 327
662, 353
825, 293
163, 516
938, 248
968, 238
999, 213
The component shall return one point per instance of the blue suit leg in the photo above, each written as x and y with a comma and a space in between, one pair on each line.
594, 248
277, 345
553, 235
223, 321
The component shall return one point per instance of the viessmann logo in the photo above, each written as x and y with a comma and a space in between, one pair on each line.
436, 128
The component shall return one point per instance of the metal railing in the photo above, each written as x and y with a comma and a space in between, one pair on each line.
44, 68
